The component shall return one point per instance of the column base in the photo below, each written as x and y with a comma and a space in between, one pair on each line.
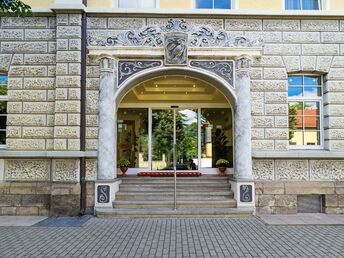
105, 191
244, 192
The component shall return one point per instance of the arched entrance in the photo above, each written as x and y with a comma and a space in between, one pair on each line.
203, 125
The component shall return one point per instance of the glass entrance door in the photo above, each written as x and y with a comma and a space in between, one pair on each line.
186, 131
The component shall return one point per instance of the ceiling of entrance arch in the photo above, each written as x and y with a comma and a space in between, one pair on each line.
174, 89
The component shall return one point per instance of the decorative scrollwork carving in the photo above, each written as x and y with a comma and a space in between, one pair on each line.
200, 36
223, 69
246, 193
103, 193
129, 68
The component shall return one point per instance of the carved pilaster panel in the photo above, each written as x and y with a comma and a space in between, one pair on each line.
176, 48
224, 69
127, 69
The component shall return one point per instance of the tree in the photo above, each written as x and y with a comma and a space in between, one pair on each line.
16, 7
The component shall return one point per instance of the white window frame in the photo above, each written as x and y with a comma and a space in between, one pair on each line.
233, 5
322, 6
4, 98
309, 99
116, 4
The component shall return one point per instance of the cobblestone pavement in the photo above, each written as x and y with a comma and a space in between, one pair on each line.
173, 237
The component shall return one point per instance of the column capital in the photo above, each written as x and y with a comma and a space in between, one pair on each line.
243, 63
107, 63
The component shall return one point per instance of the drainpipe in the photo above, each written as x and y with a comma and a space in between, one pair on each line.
83, 111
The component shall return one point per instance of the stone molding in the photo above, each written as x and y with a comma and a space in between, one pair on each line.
298, 154
47, 154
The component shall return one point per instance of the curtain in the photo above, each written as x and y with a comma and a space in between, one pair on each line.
136, 4
292, 5
310, 4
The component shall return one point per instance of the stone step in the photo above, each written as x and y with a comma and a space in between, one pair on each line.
168, 212
181, 203
181, 186
132, 179
123, 195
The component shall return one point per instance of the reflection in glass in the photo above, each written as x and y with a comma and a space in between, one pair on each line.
295, 80
222, 4
312, 91
132, 136
295, 91
216, 136
204, 4
311, 80
3, 85
162, 139
311, 137
296, 137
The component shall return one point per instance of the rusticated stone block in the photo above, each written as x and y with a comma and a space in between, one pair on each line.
27, 211
320, 49
23, 95
273, 187
35, 59
11, 34
281, 25
25, 119
38, 132
20, 188
38, 107
334, 210
268, 36
68, 32
282, 49
8, 211
43, 188
276, 133
68, 81
275, 74
37, 200
263, 144
14, 107
41, 34
66, 170
309, 188
275, 85
331, 200
24, 47
132, 23
263, 169
326, 170
10, 200
265, 210
301, 37
269, 61
23, 71
67, 132
73, 144
243, 24
262, 121
285, 210
339, 187
92, 102
324, 63
292, 63
308, 63
68, 56
276, 109
62, 205
97, 22
25, 144
39, 83
266, 200
292, 169
24, 169
320, 25
72, 106
289, 200
17, 22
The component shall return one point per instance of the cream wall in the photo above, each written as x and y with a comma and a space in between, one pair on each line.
260, 4
186, 4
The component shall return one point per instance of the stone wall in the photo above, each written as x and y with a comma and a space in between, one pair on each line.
280, 197
39, 198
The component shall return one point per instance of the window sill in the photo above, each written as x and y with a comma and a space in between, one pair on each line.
298, 154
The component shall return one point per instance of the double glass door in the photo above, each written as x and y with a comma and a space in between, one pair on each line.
174, 132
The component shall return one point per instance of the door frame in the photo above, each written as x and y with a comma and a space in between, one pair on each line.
198, 106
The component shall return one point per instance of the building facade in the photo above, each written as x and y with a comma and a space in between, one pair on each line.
85, 85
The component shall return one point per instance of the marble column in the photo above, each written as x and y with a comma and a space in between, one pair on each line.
242, 122
107, 122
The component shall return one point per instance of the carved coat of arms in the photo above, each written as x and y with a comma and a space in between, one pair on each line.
176, 48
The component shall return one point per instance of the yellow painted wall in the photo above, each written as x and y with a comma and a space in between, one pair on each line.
336, 4
175, 3
260, 4
99, 3
38, 3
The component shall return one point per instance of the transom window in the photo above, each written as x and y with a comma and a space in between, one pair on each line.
136, 3
302, 4
305, 102
3, 107
213, 4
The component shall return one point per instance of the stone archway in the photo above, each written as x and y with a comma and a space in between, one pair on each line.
151, 53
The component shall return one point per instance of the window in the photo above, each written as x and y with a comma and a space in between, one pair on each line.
136, 3
213, 4
302, 4
3, 107
305, 103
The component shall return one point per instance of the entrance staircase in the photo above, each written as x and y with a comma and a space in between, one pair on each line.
154, 197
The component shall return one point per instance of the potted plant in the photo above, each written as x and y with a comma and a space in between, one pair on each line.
222, 165
123, 166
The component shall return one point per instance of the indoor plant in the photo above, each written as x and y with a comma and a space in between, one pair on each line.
123, 165
222, 164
